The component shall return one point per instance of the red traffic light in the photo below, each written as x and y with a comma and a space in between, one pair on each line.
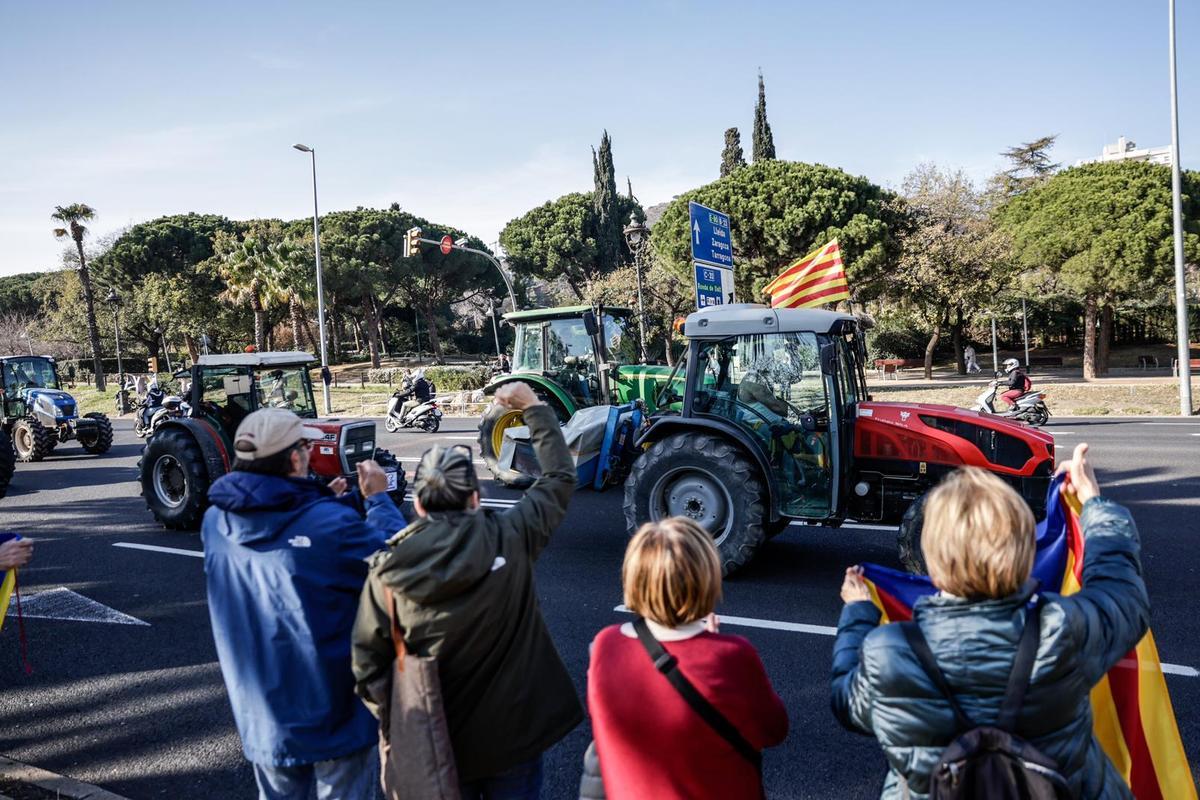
447, 245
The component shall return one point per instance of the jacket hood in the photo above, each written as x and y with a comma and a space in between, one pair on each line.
261, 506
440, 556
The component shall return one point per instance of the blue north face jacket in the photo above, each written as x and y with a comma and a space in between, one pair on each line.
285, 562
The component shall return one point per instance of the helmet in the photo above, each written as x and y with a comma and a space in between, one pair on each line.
1010, 364
419, 374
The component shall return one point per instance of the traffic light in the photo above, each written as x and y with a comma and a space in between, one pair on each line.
152, 365
412, 242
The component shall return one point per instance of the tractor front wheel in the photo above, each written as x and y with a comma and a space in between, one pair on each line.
8, 461
908, 540
174, 479
707, 479
32, 440
495, 421
98, 440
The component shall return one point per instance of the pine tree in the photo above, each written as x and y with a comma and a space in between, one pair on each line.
764, 143
1030, 165
604, 203
732, 156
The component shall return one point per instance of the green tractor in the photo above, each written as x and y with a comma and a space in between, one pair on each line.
573, 357
38, 415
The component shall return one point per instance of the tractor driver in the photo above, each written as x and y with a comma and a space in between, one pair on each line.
787, 438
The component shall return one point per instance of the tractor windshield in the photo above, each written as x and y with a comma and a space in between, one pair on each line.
771, 386
28, 372
620, 337
527, 352
571, 360
288, 388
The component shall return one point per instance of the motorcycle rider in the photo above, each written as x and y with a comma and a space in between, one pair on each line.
418, 392
1018, 382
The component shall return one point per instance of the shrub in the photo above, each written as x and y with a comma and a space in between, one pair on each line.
447, 379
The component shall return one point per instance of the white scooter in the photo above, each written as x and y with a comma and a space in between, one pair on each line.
1029, 407
426, 416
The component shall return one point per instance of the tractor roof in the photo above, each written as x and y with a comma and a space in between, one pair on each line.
291, 358
742, 319
561, 312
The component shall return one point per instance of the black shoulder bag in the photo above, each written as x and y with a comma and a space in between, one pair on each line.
666, 663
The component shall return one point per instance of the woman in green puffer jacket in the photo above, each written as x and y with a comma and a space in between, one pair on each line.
978, 540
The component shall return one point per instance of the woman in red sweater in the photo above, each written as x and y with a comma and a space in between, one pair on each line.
651, 741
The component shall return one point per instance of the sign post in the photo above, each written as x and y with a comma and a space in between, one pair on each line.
712, 256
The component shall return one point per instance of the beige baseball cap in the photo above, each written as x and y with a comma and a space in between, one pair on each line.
269, 431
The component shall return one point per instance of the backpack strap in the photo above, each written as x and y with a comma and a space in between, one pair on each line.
925, 657
666, 663
1022, 670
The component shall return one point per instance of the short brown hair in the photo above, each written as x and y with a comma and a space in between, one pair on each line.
977, 537
672, 573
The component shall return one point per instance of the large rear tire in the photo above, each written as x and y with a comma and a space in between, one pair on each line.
100, 441
8, 461
707, 479
174, 479
32, 440
908, 540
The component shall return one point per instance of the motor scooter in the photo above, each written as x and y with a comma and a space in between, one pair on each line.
155, 408
426, 416
1029, 407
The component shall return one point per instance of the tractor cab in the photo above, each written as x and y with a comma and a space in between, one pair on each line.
226, 388
577, 349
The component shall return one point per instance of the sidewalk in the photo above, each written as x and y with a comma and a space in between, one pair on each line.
24, 782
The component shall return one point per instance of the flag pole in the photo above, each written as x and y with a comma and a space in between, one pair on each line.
1183, 339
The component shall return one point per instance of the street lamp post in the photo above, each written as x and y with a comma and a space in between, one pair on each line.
320, 285
637, 234
1181, 312
495, 329
115, 301
28, 340
162, 335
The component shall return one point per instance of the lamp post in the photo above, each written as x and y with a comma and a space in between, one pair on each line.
1183, 339
320, 285
28, 340
162, 335
116, 302
638, 235
492, 312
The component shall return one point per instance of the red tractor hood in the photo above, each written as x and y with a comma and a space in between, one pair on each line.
926, 432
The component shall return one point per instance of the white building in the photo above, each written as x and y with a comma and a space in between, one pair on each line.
1125, 150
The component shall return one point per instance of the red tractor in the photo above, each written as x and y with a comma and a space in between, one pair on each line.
775, 426
186, 454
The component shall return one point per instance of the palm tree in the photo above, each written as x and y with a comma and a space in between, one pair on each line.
73, 216
245, 269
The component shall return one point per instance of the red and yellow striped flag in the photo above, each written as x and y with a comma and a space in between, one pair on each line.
814, 280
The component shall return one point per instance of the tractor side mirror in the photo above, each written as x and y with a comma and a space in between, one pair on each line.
589, 323
827, 359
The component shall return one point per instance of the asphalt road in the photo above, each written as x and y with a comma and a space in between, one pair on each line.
141, 709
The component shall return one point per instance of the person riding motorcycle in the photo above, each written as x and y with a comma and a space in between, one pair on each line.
1018, 381
418, 392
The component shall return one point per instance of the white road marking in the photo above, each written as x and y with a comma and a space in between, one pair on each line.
1168, 423
825, 630
417, 460
179, 551
62, 603
855, 526
464, 438
1061, 433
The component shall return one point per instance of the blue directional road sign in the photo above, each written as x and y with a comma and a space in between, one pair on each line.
714, 286
711, 242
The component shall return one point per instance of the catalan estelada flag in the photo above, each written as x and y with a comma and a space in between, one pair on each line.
6, 590
1132, 715
814, 280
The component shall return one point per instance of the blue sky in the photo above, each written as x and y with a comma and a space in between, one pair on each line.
470, 113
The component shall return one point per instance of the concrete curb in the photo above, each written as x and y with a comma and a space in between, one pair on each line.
67, 788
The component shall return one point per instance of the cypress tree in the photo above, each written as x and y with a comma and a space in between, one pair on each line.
764, 143
732, 156
604, 204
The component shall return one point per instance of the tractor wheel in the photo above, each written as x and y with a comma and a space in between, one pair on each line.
908, 540
708, 479
100, 441
495, 421
32, 440
174, 479
777, 527
8, 461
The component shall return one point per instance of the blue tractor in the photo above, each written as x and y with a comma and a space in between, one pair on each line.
37, 414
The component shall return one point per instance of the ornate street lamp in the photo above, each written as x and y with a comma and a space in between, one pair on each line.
638, 236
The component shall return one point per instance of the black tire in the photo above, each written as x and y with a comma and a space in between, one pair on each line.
174, 479
430, 424
32, 440
8, 461
777, 527
709, 479
908, 539
102, 441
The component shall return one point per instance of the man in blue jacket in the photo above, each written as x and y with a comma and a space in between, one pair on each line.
285, 558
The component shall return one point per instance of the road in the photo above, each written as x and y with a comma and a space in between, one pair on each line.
141, 709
